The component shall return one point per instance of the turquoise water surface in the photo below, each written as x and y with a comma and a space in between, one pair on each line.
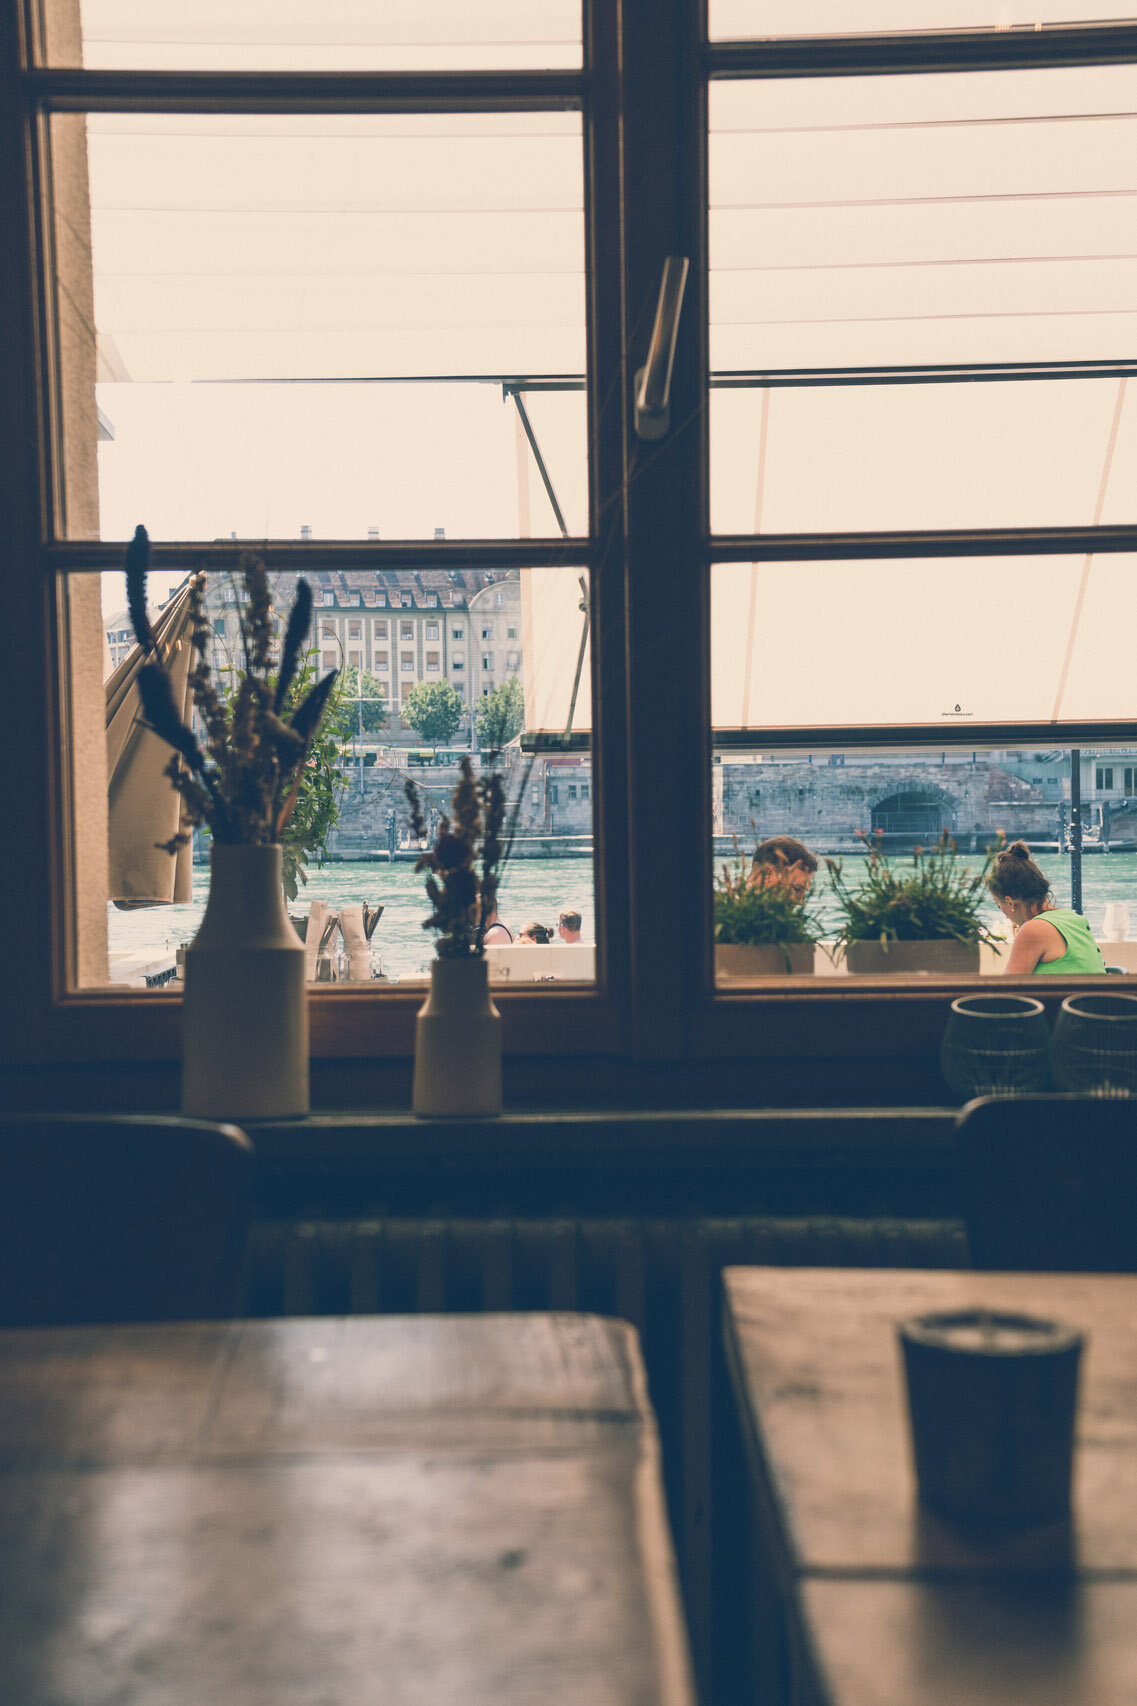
538, 889
532, 889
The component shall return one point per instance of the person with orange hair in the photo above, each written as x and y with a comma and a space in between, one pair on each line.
783, 862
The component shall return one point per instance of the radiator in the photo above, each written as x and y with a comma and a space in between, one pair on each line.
659, 1274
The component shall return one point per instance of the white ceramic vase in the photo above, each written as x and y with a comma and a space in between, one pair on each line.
458, 1043
245, 1008
1115, 924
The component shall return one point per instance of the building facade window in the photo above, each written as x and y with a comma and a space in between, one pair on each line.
406, 661
432, 660
406, 630
354, 630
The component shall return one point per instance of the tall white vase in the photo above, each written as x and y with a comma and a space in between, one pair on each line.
245, 1008
458, 1043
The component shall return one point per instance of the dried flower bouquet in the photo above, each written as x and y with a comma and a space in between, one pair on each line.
243, 780
463, 902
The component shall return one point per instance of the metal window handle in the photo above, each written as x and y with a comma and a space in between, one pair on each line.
652, 391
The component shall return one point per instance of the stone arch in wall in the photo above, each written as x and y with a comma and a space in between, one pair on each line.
920, 814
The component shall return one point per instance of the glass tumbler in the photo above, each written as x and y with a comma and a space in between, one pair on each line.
1094, 1050
996, 1045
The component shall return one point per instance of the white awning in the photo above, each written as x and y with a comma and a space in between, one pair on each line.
143, 807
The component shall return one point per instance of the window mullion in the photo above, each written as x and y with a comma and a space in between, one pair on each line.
667, 609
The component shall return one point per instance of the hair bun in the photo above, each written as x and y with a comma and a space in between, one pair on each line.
1019, 850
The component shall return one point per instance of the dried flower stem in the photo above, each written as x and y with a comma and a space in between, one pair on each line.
252, 759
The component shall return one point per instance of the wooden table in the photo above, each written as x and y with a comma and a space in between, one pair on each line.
863, 1598
410, 1511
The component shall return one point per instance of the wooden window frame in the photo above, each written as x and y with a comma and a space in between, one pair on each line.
648, 553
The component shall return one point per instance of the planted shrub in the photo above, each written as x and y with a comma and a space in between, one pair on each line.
937, 899
749, 911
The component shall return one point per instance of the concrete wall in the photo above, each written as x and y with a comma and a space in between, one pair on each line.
829, 804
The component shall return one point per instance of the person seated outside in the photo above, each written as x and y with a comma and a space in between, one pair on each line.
539, 935
569, 923
785, 862
1049, 940
496, 934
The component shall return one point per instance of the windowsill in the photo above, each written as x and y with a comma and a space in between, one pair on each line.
564, 1137
641, 1162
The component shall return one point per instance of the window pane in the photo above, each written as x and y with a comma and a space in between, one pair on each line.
787, 458
304, 324
750, 20
297, 35
908, 223
945, 641
380, 736
835, 804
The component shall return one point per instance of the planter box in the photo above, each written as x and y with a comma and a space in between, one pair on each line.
763, 959
937, 959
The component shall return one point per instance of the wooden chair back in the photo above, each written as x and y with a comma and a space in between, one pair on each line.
1049, 1182
120, 1218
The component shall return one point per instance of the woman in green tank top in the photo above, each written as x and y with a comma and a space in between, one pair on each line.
1049, 940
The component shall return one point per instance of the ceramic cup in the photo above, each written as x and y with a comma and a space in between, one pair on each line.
991, 1402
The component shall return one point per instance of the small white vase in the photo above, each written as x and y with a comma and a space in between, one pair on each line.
245, 1008
458, 1043
1115, 924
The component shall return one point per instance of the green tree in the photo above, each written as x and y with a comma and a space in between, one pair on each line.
501, 715
435, 709
363, 702
321, 782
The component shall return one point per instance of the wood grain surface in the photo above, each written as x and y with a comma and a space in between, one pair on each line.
330, 1512
996, 1643
816, 1357
862, 1597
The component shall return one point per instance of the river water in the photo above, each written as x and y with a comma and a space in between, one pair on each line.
538, 889
531, 889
